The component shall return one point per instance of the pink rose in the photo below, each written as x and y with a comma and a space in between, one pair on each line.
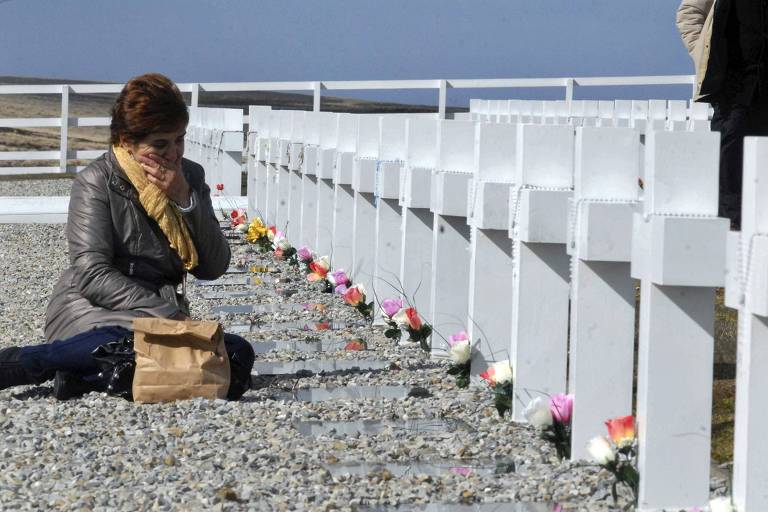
458, 337
339, 278
561, 407
390, 307
304, 254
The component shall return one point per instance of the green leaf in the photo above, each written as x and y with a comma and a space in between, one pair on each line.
393, 334
462, 381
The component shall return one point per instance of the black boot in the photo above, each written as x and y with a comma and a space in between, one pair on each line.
71, 385
12, 373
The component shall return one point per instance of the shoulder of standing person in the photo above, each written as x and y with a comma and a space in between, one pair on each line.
691, 18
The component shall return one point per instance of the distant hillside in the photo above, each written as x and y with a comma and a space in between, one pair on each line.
99, 105
278, 100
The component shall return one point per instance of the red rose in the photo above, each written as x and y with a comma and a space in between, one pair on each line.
414, 320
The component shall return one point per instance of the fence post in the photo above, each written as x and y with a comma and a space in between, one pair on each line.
195, 99
569, 84
316, 91
602, 327
678, 253
64, 134
442, 98
750, 292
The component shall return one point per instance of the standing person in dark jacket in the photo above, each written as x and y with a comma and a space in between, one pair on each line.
727, 41
140, 218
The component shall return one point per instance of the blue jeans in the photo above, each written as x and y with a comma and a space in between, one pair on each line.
73, 355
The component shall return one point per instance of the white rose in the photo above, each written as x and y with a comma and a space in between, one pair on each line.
502, 372
400, 318
722, 504
460, 352
537, 413
242, 228
600, 450
324, 262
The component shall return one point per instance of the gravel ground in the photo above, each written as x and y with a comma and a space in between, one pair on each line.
53, 187
103, 453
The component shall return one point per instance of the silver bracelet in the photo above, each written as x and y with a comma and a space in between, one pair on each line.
191, 204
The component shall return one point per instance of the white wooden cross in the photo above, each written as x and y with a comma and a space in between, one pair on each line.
747, 290
309, 180
329, 126
418, 219
344, 196
449, 292
490, 271
540, 279
389, 217
678, 253
364, 216
295, 149
602, 320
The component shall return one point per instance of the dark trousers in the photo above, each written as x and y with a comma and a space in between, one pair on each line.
73, 355
734, 122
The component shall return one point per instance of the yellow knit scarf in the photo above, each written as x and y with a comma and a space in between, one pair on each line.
158, 206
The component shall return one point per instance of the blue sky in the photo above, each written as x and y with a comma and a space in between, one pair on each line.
254, 40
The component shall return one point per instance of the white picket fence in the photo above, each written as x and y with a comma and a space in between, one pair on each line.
214, 139
498, 221
65, 120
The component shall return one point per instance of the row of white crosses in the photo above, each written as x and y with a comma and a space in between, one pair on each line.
499, 227
214, 139
676, 115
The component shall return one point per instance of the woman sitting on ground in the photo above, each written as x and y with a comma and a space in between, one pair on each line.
140, 218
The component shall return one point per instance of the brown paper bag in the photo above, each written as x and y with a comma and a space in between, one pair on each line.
178, 360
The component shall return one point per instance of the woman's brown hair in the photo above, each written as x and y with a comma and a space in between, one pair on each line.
148, 103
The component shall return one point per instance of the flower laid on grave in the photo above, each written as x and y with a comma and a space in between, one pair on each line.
305, 257
238, 217
356, 345
257, 234
418, 330
355, 297
284, 251
318, 269
618, 453
339, 280
390, 308
219, 189
721, 504
500, 377
553, 417
460, 353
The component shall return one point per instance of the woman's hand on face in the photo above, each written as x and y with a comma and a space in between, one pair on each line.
167, 176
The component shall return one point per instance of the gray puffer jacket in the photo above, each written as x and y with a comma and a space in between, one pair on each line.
119, 257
